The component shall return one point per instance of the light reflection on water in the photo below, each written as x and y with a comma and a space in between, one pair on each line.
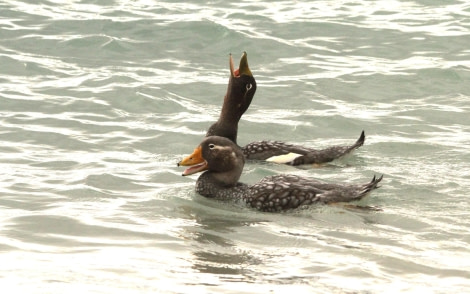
99, 101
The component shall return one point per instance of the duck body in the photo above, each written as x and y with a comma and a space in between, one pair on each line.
222, 162
240, 92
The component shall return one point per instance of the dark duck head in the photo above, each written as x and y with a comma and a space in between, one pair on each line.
240, 91
222, 162
219, 157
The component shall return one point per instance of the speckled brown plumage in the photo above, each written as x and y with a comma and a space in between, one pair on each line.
263, 150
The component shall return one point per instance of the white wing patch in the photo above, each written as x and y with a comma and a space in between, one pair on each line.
284, 158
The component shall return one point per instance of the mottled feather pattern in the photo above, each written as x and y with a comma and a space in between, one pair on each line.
284, 192
263, 150
328, 154
207, 186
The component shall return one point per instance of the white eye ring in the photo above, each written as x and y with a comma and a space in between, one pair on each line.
211, 146
248, 87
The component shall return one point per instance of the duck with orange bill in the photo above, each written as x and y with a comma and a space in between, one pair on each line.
222, 162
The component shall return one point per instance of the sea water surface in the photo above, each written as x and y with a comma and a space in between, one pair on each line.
99, 99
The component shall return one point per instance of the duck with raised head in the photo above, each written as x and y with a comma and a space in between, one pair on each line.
240, 92
222, 162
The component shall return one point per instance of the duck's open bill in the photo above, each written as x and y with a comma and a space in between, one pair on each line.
195, 162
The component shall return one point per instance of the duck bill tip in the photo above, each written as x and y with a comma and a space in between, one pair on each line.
244, 69
232, 68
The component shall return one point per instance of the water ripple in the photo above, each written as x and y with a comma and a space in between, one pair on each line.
100, 100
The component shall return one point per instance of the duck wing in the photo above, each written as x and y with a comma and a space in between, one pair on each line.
285, 192
328, 154
263, 150
266, 150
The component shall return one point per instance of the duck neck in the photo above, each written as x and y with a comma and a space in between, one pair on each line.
232, 110
224, 129
209, 185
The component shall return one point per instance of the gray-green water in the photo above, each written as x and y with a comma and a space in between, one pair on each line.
100, 99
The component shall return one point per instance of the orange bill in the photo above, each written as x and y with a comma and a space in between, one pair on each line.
195, 162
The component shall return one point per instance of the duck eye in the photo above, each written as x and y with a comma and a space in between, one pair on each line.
248, 87
211, 146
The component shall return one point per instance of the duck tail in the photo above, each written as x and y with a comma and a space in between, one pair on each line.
372, 185
359, 141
